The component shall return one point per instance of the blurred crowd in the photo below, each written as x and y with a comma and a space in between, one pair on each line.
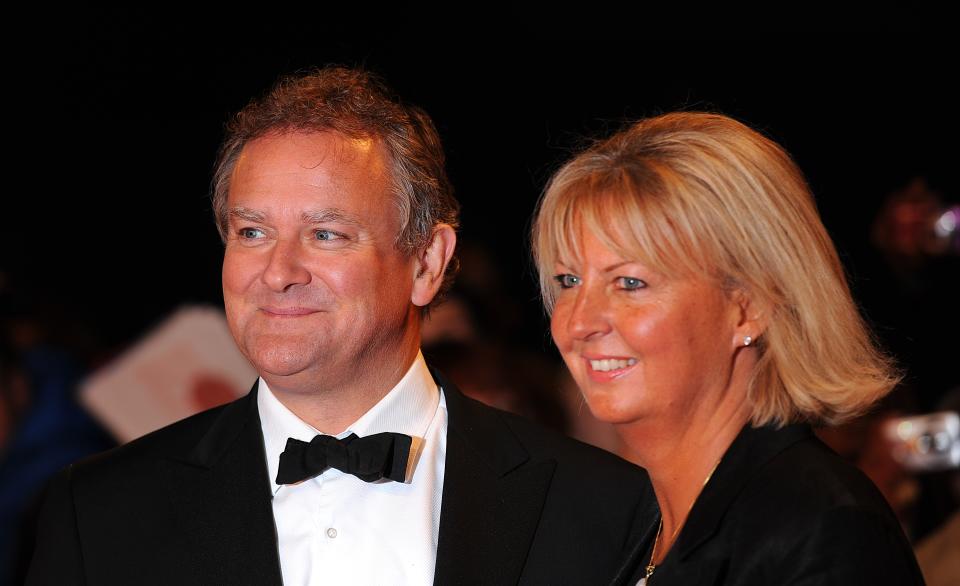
483, 338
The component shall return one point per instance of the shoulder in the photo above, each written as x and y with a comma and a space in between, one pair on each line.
809, 506
570, 453
592, 504
539, 443
609, 489
807, 478
139, 457
588, 484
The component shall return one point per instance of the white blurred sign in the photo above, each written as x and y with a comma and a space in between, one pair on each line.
187, 364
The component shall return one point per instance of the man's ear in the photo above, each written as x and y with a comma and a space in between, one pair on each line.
431, 264
752, 318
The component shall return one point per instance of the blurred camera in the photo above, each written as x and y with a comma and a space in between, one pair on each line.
926, 443
946, 228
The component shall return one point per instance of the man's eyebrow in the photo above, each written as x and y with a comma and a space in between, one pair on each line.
312, 217
329, 215
247, 214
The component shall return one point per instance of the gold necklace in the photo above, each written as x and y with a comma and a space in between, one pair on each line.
651, 566
653, 553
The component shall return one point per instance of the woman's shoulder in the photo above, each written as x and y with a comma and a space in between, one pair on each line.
811, 507
808, 477
787, 474
805, 485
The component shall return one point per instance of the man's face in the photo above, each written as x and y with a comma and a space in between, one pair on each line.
317, 295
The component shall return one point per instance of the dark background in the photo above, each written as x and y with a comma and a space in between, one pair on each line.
112, 225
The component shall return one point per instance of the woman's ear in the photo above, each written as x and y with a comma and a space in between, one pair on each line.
432, 263
751, 318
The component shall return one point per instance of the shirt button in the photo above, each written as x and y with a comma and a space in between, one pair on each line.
332, 533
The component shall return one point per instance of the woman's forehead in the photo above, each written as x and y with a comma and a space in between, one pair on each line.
617, 239
598, 245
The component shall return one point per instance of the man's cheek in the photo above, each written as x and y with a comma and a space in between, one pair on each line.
339, 277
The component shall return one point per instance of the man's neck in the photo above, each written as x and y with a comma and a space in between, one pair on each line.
330, 406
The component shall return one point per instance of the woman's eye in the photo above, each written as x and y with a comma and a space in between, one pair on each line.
567, 280
631, 283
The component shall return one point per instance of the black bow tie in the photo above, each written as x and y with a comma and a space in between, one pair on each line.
381, 455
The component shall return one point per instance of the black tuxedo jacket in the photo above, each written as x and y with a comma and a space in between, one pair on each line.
783, 509
190, 505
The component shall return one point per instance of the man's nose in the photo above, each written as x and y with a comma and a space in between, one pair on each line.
589, 314
286, 266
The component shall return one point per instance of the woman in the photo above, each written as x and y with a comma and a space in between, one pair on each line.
702, 309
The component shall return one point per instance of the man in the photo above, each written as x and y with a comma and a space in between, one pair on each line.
339, 229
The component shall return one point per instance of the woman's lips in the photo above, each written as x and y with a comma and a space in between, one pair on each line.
604, 368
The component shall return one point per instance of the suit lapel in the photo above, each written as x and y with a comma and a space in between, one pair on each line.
221, 496
492, 497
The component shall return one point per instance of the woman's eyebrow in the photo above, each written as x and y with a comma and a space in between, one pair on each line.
617, 265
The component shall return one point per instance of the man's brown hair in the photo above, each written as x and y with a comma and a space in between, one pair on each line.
356, 104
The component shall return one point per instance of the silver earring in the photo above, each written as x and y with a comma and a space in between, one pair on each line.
747, 340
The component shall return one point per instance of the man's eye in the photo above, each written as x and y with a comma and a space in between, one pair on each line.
567, 280
631, 283
250, 233
327, 235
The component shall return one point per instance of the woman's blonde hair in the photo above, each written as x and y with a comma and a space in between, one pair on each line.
698, 194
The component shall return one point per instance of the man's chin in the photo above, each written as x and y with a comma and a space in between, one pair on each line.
280, 362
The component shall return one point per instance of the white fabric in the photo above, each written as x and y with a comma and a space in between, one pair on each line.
338, 529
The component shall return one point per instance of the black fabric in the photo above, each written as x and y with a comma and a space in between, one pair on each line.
782, 508
370, 458
190, 505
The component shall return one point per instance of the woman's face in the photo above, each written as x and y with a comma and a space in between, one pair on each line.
639, 344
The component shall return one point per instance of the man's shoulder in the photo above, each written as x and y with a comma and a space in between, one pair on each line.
542, 444
175, 441
572, 489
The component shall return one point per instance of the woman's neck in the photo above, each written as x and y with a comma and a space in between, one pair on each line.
681, 453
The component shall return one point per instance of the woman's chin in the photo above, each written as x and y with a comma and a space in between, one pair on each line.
612, 409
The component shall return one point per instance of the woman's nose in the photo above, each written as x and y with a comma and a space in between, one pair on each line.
588, 313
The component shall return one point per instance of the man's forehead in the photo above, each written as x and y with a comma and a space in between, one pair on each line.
320, 159
278, 147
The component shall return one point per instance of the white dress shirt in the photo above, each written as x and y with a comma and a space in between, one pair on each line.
338, 529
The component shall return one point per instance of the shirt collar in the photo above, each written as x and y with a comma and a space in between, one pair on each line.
408, 408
